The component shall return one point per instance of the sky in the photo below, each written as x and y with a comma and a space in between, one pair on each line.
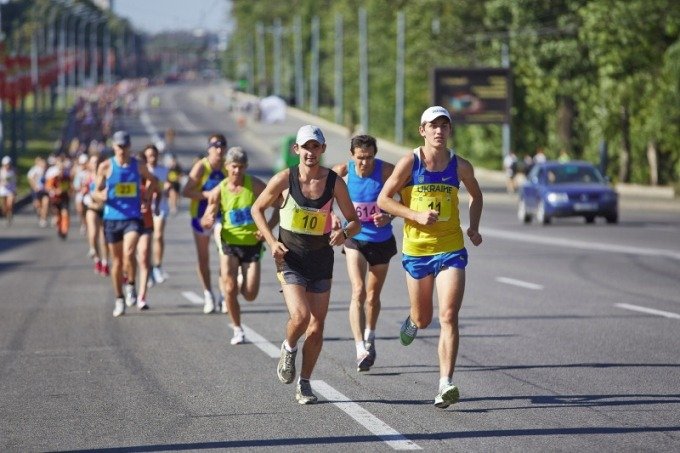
154, 16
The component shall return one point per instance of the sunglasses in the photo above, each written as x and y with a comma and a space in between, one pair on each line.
217, 144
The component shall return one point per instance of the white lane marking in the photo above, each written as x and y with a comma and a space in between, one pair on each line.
146, 122
651, 311
520, 283
185, 121
584, 245
193, 297
369, 421
261, 342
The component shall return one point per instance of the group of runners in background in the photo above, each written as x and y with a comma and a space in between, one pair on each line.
122, 206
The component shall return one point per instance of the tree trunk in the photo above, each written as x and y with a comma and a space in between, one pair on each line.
653, 160
566, 112
625, 153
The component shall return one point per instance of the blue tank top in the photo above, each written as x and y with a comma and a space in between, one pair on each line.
364, 193
123, 201
211, 178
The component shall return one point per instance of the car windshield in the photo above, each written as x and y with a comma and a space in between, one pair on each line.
566, 174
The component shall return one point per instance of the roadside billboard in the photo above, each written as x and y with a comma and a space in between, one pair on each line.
473, 96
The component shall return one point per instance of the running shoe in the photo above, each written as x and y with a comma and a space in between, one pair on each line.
408, 332
158, 275
364, 361
239, 337
97, 267
42, 223
286, 368
130, 295
119, 307
141, 304
304, 394
106, 271
370, 347
209, 302
448, 395
91, 253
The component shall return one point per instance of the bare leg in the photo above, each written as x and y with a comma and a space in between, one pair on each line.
450, 288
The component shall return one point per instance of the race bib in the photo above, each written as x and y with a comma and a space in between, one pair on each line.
126, 190
366, 210
239, 217
437, 202
308, 221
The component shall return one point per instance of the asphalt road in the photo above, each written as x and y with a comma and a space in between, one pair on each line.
570, 337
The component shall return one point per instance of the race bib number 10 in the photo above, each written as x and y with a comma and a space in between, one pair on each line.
308, 221
126, 189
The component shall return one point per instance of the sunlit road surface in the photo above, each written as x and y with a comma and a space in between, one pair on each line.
569, 337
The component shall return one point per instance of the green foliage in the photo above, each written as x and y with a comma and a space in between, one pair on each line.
576, 64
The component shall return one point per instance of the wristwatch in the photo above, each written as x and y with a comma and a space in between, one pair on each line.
344, 232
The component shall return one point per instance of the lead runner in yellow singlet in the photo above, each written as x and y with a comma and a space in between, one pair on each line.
433, 246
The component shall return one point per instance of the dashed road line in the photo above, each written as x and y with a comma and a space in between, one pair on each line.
382, 430
520, 283
651, 311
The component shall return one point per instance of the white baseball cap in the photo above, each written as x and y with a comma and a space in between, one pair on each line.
433, 113
6, 160
309, 132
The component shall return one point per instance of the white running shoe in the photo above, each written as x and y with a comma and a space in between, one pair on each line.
209, 305
239, 337
119, 308
91, 253
130, 295
158, 275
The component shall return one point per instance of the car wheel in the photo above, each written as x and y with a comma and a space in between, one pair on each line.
522, 213
541, 217
590, 219
613, 218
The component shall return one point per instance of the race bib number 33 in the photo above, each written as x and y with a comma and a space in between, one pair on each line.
308, 221
126, 189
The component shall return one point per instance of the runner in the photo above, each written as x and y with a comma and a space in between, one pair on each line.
41, 201
369, 252
205, 174
433, 247
161, 210
149, 203
241, 241
118, 184
58, 186
175, 174
94, 214
8, 189
304, 251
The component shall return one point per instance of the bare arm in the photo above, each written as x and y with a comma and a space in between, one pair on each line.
208, 218
466, 173
192, 189
353, 227
99, 194
152, 185
258, 188
381, 218
267, 198
386, 201
340, 169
